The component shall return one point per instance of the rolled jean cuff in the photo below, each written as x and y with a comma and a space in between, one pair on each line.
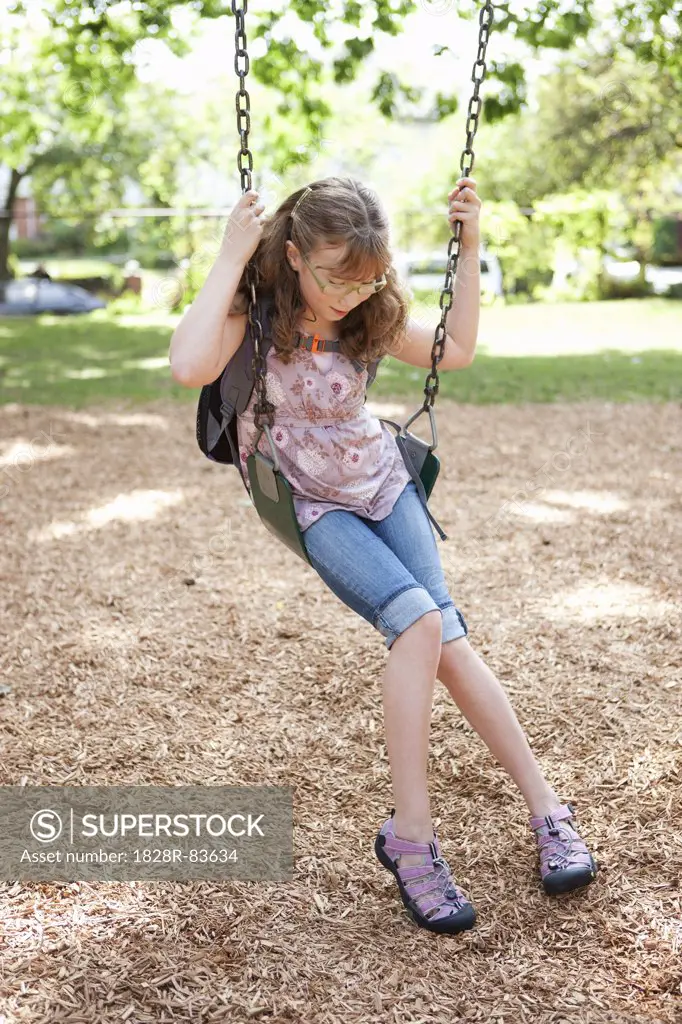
406, 608
454, 625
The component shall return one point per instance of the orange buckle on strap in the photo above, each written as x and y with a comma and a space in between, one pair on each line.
316, 343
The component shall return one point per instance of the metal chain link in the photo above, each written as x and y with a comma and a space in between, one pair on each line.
263, 410
466, 164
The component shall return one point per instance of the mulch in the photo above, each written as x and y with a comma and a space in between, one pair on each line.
154, 634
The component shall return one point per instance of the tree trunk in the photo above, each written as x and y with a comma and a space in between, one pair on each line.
5, 222
602, 276
643, 253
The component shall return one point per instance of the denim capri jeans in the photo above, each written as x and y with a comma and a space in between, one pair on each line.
389, 571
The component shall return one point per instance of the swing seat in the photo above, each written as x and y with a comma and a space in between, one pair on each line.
273, 499
429, 472
416, 452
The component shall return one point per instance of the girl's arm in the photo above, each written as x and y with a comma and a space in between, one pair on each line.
208, 336
461, 325
213, 327
462, 320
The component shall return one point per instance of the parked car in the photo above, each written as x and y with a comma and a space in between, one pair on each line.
426, 271
30, 296
622, 267
660, 278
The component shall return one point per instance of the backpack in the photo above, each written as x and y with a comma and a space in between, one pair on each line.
229, 394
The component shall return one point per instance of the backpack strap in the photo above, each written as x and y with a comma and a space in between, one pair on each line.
314, 343
237, 381
372, 371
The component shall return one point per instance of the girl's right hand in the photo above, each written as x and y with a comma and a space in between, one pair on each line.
244, 228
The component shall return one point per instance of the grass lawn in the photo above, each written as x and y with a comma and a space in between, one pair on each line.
622, 351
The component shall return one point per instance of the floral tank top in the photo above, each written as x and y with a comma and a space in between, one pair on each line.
334, 453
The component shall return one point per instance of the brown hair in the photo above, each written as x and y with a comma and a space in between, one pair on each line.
332, 211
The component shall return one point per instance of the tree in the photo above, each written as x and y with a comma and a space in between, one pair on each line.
596, 121
82, 146
345, 32
600, 122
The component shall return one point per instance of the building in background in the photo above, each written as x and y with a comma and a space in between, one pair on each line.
26, 220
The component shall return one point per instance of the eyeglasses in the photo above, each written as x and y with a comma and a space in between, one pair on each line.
342, 289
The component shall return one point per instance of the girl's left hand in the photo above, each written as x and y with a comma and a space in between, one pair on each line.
465, 205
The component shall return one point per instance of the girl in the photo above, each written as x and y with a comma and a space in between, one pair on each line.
324, 259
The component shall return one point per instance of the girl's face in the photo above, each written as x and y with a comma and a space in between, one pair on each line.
321, 287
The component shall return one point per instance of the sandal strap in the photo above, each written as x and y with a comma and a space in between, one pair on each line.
439, 892
562, 813
415, 871
418, 889
395, 843
563, 850
556, 844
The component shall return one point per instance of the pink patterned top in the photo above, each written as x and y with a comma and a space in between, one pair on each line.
333, 452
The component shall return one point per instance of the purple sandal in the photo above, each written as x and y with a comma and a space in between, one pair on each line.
565, 861
427, 889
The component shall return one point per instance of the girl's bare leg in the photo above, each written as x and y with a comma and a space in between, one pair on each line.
484, 703
408, 685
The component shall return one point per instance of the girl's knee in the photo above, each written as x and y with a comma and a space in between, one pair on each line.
428, 627
431, 623
412, 612
427, 631
455, 655
459, 647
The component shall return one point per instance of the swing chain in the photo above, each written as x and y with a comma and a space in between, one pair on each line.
243, 102
263, 410
466, 164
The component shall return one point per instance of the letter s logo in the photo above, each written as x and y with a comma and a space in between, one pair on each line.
46, 826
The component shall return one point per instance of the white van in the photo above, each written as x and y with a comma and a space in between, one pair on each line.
426, 271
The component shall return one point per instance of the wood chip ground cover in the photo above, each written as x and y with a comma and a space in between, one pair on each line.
154, 634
